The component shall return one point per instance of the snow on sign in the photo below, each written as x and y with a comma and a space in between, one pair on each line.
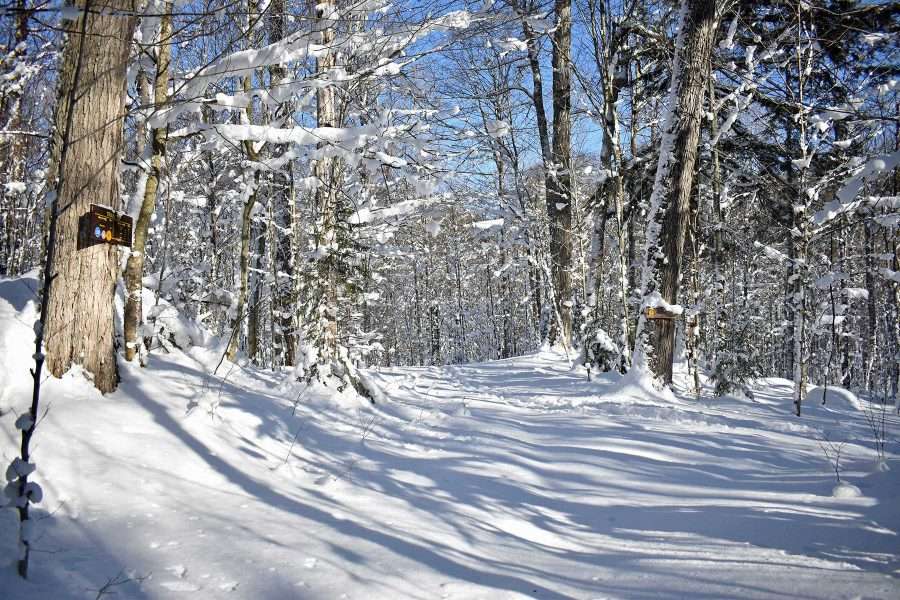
103, 225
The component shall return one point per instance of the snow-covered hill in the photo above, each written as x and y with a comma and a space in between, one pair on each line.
510, 479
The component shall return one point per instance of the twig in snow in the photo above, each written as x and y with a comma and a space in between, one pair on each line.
121, 578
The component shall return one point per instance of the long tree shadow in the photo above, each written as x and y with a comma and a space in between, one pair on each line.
696, 492
415, 552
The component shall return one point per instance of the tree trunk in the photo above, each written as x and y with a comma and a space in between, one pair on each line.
246, 214
559, 176
701, 28
674, 179
254, 312
284, 234
870, 345
715, 320
250, 173
326, 201
134, 268
537, 95
12, 150
80, 326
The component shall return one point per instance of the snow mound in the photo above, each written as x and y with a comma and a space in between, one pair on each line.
846, 490
835, 398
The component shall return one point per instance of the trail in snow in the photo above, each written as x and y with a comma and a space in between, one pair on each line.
510, 479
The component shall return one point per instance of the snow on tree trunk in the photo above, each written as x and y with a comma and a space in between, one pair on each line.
12, 148
285, 230
80, 326
251, 178
134, 268
669, 212
251, 183
326, 171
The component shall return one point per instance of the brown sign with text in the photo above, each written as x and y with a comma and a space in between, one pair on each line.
102, 225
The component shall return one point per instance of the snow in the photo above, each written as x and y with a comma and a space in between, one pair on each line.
890, 275
655, 300
487, 224
508, 479
394, 211
433, 227
497, 129
728, 42
846, 197
15, 187
846, 490
853, 293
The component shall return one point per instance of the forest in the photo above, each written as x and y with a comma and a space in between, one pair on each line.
697, 199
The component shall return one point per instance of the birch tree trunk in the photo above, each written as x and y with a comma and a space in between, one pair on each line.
134, 268
12, 149
80, 326
326, 196
252, 182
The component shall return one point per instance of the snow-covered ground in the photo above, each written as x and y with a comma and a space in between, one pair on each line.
509, 479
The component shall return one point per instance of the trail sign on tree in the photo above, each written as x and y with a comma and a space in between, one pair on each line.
658, 313
103, 225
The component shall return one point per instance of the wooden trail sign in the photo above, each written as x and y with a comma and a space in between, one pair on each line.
657, 313
103, 225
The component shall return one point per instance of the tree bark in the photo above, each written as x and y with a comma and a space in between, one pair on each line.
252, 181
537, 96
870, 345
326, 199
12, 150
80, 312
669, 211
559, 176
134, 268
700, 30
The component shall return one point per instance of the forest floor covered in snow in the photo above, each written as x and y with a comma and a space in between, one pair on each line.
509, 479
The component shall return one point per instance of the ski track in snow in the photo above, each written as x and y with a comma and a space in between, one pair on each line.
505, 480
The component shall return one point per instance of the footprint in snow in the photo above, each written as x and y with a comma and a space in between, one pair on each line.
177, 570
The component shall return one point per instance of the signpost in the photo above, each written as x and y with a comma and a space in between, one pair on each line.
657, 313
103, 225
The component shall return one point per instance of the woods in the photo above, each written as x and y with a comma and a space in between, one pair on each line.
325, 190
695, 199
